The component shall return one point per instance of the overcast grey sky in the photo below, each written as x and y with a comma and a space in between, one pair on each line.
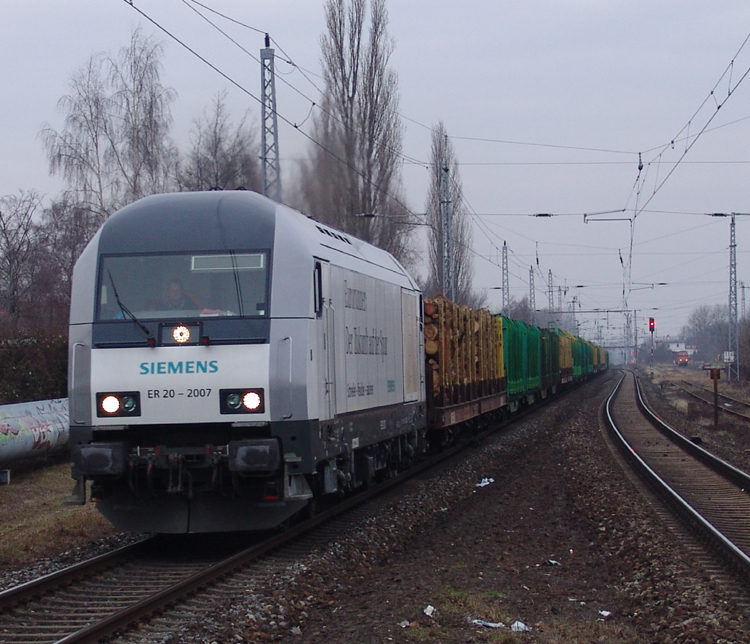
548, 104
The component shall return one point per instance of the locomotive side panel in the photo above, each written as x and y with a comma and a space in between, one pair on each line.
79, 334
369, 347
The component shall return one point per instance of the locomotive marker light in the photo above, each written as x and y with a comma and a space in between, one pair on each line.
111, 404
181, 334
252, 400
234, 401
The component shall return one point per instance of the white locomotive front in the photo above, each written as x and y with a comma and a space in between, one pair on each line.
232, 360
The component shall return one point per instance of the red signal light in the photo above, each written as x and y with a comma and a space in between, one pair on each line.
651, 325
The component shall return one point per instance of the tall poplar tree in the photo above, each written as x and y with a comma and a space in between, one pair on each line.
355, 168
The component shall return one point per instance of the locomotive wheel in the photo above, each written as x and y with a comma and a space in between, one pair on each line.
311, 509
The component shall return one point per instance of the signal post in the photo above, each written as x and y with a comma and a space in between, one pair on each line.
651, 328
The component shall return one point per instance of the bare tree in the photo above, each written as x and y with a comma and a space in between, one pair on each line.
115, 146
707, 329
65, 229
355, 170
222, 156
18, 244
143, 152
519, 310
443, 162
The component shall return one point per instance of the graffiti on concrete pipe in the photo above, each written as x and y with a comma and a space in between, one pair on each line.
32, 429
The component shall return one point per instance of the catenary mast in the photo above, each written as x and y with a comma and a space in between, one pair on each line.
506, 281
270, 143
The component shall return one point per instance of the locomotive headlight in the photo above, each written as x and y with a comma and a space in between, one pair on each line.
181, 334
242, 401
110, 404
252, 401
126, 403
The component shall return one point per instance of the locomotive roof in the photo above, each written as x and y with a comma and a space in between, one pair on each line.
224, 220
199, 221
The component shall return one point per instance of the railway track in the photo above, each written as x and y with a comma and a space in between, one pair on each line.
112, 593
743, 408
94, 598
712, 496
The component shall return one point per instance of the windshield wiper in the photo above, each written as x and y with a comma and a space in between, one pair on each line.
237, 284
126, 312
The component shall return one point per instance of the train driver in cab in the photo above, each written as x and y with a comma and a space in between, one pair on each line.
180, 299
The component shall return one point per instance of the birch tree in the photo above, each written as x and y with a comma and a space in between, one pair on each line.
115, 146
18, 244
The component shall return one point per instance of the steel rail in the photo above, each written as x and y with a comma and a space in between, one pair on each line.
172, 595
721, 395
735, 555
718, 465
66, 576
724, 409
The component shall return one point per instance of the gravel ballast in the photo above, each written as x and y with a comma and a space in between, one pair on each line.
556, 541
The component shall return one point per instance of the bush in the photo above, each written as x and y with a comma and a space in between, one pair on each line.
33, 367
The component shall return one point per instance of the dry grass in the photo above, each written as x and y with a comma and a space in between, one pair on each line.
668, 378
667, 373
34, 523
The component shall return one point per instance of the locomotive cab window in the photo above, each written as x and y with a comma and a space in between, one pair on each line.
184, 285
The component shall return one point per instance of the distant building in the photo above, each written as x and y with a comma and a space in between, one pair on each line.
676, 347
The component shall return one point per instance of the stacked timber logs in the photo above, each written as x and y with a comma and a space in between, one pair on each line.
463, 349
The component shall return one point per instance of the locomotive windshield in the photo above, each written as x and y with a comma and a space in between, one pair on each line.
183, 285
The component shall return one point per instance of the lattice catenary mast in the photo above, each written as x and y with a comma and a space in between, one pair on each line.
733, 368
270, 143
733, 339
446, 218
551, 303
506, 281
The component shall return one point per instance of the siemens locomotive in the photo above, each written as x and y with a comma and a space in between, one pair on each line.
232, 361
